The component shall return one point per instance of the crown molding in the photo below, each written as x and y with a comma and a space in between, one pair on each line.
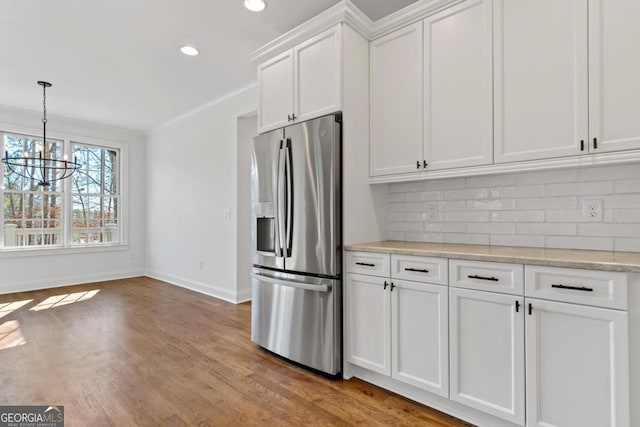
344, 11
211, 104
408, 15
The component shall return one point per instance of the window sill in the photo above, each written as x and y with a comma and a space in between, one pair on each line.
38, 251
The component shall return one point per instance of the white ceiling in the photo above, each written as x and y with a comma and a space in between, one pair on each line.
118, 62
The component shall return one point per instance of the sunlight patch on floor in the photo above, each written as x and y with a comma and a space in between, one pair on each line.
7, 308
11, 335
64, 299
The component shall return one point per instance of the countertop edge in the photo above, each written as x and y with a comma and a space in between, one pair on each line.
550, 261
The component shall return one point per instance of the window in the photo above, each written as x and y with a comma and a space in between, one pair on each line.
82, 210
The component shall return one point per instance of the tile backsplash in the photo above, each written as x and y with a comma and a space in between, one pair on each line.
541, 209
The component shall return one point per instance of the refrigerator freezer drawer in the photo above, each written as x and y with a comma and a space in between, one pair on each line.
298, 318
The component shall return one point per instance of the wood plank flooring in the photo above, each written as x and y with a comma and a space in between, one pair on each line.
142, 352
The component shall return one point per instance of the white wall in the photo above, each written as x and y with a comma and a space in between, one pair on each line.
191, 180
21, 271
541, 209
246, 131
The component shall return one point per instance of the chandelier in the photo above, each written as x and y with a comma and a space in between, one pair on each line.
41, 166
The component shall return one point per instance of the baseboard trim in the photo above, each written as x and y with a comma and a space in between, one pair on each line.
69, 281
203, 288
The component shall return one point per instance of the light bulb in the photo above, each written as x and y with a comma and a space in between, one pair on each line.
189, 50
254, 5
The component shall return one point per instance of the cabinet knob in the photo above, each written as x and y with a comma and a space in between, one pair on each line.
293, 117
595, 143
289, 117
582, 145
424, 164
385, 285
417, 164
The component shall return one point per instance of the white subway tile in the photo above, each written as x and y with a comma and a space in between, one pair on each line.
468, 238
406, 207
416, 216
397, 197
491, 180
446, 184
445, 227
627, 244
517, 191
424, 196
622, 201
475, 193
614, 230
626, 215
517, 216
396, 216
547, 229
406, 187
465, 216
517, 240
628, 185
602, 173
566, 215
452, 205
578, 242
425, 237
543, 177
537, 203
579, 188
396, 235
491, 205
491, 227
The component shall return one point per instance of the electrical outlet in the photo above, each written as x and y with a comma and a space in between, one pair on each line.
432, 212
226, 214
592, 210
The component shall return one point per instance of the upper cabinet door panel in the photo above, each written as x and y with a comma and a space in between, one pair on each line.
275, 92
540, 75
396, 102
458, 87
317, 75
614, 74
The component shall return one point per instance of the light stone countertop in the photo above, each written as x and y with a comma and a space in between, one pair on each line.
593, 260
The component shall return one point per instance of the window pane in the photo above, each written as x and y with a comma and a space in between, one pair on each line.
95, 196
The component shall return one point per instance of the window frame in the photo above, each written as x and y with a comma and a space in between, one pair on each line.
66, 223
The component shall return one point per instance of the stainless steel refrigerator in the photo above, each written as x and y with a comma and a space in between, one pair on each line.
296, 309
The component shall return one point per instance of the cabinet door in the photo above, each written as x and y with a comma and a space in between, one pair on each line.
396, 102
487, 352
540, 75
577, 366
275, 92
614, 75
317, 75
458, 87
420, 342
368, 312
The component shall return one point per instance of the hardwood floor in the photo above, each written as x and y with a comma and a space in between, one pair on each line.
142, 352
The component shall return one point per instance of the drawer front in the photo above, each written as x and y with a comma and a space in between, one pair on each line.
420, 269
371, 263
589, 287
487, 276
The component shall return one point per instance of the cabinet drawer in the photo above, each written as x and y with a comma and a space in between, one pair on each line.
589, 287
371, 263
487, 276
420, 269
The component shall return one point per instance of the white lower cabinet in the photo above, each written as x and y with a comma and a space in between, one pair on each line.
577, 365
487, 352
551, 353
399, 328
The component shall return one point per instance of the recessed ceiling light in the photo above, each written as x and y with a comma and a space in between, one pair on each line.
189, 50
254, 5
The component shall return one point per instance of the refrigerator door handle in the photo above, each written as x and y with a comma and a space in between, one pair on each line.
280, 204
289, 199
289, 283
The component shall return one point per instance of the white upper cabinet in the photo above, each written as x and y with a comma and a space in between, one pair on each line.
614, 73
316, 73
541, 80
458, 86
396, 102
302, 83
275, 92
